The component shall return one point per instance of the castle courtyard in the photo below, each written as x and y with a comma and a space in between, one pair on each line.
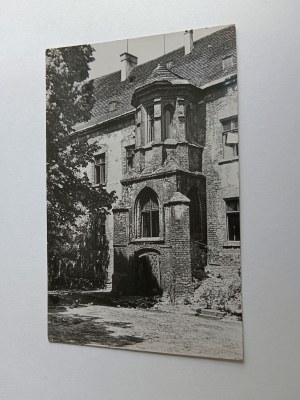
167, 329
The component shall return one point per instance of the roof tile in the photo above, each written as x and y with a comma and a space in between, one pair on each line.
201, 66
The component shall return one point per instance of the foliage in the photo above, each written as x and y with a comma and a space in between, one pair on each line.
215, 292
72, 201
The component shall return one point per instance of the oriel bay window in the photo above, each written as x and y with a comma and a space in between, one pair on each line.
99, 176
233, 219
230, 138
148, 214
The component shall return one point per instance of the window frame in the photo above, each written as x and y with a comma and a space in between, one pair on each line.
166, 128
150, 219
149, 134
129, 149
234, 128
100, 229
147, 215
226, 59
112, 105
100, 169
169, 64
229, 214
188, 121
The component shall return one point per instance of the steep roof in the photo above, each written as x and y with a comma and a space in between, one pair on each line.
161, 73
201, 66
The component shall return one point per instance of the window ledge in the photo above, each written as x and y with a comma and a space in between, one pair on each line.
232, 244
96, 185
170, 141
148, 145
228, 160
148, 240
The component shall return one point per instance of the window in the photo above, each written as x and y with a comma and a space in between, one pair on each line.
195, 214
227, 62
169, 64
100, 230
100, 168
230, 138
112, 106
187, 121
150, 125
129, 158
233, 219
167, 122
148, 214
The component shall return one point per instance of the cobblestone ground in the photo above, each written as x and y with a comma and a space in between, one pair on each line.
174, 330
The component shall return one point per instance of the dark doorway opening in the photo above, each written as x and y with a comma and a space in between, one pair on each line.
146, 283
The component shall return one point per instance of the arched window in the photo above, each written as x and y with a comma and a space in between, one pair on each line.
168, 117
147, 214
195, 214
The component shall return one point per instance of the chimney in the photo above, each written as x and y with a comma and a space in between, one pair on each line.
128, 62
188, 41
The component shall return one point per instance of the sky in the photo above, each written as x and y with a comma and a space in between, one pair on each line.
107, 55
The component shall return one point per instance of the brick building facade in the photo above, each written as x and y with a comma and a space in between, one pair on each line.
168, 131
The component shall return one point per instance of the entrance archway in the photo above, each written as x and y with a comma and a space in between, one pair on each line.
147, 274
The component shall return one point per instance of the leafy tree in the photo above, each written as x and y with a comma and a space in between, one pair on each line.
71, 198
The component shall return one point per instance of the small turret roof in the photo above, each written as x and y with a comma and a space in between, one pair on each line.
162, 73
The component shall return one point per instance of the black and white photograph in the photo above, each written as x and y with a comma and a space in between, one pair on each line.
149, 205
143, 204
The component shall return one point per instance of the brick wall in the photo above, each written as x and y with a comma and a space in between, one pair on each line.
178, 236
227, 271
222, 178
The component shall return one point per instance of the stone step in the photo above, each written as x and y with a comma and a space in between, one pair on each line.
205, 312
211, 317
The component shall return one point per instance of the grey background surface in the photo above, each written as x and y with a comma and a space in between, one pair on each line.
268, 36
